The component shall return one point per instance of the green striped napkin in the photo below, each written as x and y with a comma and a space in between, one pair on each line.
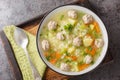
21, 57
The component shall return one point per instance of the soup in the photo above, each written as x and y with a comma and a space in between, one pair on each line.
71, 40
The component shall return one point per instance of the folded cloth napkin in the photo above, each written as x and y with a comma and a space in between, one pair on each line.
21, 57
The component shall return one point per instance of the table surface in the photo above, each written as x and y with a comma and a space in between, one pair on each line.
110, 14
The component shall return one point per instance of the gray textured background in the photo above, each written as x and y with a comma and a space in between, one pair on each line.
109, 11
17, 11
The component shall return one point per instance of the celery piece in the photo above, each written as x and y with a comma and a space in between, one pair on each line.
61, 17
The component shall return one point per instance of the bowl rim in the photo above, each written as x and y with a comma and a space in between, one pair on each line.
37, 39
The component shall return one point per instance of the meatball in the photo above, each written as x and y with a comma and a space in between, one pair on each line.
52, 25
45, 45
65, 67
60, 36
72, 14
77, 41
99, 43
87, 19
88, 59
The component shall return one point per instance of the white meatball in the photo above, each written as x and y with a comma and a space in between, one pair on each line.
99, 43
52, 25
60, 36
45, 45
72, 14
87, 18
88, 59
65, 67
77, 41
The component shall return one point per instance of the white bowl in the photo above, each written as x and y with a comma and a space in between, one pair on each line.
102, 27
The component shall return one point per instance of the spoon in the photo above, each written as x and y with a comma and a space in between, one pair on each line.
22, 40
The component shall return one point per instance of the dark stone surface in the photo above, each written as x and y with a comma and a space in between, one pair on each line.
108, 10
5, 71
18, 11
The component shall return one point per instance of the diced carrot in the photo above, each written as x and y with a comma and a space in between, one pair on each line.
74, 58
83, 66
57, 55
92, 52
86, 50
96, 26
53, 61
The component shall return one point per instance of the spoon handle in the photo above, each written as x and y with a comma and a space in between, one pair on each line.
34, 70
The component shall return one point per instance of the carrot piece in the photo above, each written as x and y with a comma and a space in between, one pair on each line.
96, 26
74, 58
92, 52
83, 66
53, 61
57, 55
87, 51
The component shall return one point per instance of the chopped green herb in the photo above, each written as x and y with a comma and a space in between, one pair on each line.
41, 34
68, 27
67, 61
67, 53
48, 58
85, 54
92, 62
51, 51
90, 48
81, 62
